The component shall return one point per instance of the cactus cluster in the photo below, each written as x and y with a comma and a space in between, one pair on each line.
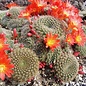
26, 64
45, 38
11, 19
64, 63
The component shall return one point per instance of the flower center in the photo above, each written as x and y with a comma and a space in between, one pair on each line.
1, 45
2, 68
50, 42
26, 14
66, 13
78, 38
54, 7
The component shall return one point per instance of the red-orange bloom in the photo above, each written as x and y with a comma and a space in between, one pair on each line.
2, 37
24, 14
12, 4
79, 37
36, 6
5, 66
69, 39
51, 41
74, 22
3, 46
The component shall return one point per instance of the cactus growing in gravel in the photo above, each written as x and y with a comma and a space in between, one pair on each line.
26, 64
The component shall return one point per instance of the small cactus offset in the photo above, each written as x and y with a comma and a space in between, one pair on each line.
26, 64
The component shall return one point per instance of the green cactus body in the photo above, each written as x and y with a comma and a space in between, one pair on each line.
43, 25
24, 31
10, 42
15, 11
41, 50
4, 21
26, 64
8, 33
46, 24
66, 67
15, 23
82, 50
53, 55
2, 14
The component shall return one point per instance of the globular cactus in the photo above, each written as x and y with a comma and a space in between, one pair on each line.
4, 21
2, 14
24, 31
8, 33
51, 57
11, 43
27, 41
66, 67
81, 49
41, 51
26, 64
16, 23
14, 12
45, 24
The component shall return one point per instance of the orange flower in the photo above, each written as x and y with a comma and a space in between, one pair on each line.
2, 37
69, 39
74, 22
36, 6
39, 2
24, 14
51, 41
12, 4
5, 67
3, 46
79, 37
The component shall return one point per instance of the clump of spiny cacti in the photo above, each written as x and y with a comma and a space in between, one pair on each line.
11, 19
42, 26
26, 64
66, 67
